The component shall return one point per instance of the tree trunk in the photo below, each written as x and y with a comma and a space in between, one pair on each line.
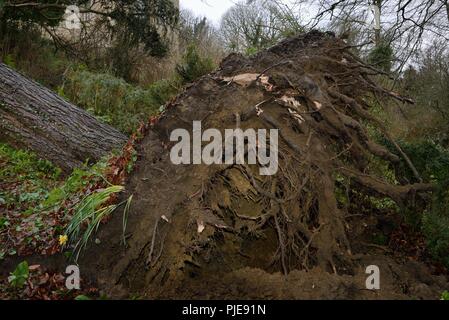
34, 117
377, 36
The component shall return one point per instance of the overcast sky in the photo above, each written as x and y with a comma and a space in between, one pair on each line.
211, 9
214, 9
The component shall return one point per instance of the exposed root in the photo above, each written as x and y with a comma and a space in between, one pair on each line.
229, 212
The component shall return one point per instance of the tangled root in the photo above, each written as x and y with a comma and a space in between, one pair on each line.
315, 92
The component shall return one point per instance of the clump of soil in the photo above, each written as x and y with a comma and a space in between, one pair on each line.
224, 231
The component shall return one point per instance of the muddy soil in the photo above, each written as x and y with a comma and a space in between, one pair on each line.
223, 231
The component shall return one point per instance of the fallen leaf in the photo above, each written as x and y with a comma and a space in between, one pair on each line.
34, 267
201, 226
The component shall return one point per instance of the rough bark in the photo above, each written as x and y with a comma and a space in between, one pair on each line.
34, 117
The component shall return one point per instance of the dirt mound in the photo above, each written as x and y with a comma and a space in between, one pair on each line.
225, 231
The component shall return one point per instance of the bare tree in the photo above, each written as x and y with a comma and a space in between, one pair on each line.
405, 25
252, 25
200, 32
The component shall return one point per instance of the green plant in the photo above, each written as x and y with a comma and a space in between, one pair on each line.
75, 182
113, 100
9, 61
435, 224
381, 56
193, 65
20, 275
89, 212
432, 162
445, 295
125, 218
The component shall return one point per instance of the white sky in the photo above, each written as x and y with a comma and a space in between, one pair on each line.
214, 9
211, 9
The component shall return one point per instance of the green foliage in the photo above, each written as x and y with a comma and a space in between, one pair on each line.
435, 226
251, 51
162, 91
24, 165
26, 179
113, 100
141, 22
432, 162
75, 182
430, 159
435, 223
193, 65
428, 83
124, 106
20, 275
445, 295
381, 56
9, 61
40, 12
91, 211
27, 51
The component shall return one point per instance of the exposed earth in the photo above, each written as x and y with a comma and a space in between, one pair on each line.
225, 232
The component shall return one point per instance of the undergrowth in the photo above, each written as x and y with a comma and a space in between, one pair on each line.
36, 203
123, 105
113, 100
431, 159
432, 162
25, 182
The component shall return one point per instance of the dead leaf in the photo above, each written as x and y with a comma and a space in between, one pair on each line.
201, 226
244, 79
34, 267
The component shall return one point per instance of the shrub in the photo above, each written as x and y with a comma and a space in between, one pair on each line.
113, 100
432, 162
435, 223
193, 65
381, 56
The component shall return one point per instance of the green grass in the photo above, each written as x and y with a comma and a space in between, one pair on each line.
36, 202
25, 183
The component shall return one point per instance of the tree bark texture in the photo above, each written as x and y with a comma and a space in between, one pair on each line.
34, 117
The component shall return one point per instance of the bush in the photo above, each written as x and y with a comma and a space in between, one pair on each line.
381, 56
113, 100
435, 222
123, 105
432, 162
193, 65
24, 49
430, 159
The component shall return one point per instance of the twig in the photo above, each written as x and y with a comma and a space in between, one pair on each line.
273, 66
150, 255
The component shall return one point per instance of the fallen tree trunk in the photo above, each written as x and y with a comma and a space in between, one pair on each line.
34, 117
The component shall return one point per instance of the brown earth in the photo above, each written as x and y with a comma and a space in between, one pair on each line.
225, 232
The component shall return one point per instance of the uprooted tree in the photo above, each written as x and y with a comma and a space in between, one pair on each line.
186, 219
34, 117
